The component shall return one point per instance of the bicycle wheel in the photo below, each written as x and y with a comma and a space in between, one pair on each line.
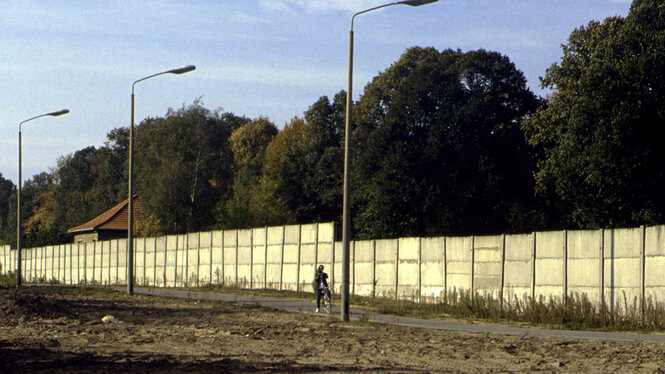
326, 302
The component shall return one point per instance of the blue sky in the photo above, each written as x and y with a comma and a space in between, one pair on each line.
270, 58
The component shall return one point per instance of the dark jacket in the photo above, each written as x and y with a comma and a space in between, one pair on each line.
321, 280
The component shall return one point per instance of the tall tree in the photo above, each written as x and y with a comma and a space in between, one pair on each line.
281, 194
439, 148
248, 144
600, 133
184, 166
251, 138
324, 159
40, 215
7, 189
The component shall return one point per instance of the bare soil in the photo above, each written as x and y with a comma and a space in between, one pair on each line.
44, 329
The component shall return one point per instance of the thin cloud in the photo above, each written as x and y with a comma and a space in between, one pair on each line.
320, 6
275, 5
244, 18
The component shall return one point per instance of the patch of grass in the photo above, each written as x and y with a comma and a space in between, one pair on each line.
576, 312
8, 280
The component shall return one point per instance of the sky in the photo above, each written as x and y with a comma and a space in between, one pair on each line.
271, 58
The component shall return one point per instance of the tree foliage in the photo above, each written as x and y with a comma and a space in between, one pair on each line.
248, 144
599, 135
439, 147
185, 166
7, 188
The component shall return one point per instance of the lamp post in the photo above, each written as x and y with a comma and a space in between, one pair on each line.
346, 212
19, 230
130, 206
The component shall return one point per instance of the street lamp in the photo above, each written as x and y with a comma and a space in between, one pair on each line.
19, 230
346, 213
130, 206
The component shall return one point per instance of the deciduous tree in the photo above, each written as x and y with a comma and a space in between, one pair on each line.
600, 135
439, 149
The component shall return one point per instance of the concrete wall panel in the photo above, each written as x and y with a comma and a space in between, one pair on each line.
517, 274
363, 268
192, 258
291, 234
625, 242
230, 265
549, 272
245, 256
432, 277
655, 241
139, 260
518, 266
409, 268
550, 244
583, 272
386, 256
487, 255
182, 260
519, 247
458, 263
274, 266
432, 250
259, 256
626, 272
308, 234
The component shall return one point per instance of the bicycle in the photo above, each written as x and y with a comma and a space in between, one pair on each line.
327, 304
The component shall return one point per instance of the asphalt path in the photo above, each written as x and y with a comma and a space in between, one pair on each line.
300, 306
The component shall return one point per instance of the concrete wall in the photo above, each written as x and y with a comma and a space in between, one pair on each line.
270, 257
618, 267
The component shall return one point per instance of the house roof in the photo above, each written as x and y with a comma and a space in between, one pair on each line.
115, 218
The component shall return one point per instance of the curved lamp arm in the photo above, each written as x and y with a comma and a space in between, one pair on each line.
53, 114
407, 2
181, 70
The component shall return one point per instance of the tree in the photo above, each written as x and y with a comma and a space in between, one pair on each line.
324, 158
7, 189
248, 144
249, 139
281, 194
438, 147
40, 216
599, 136
185, 166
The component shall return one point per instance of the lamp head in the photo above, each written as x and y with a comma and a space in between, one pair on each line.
182, 70
417, 2
59, 113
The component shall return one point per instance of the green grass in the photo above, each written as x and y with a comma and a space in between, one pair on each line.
8, 280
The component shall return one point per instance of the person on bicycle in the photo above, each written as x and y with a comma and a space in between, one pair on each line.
321, 280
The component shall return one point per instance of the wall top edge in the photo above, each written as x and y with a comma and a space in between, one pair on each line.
337, 242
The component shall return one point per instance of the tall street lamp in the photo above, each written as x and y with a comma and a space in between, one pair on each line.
130, 207
346, 213
19, 230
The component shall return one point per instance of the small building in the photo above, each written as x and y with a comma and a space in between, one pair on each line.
109, 225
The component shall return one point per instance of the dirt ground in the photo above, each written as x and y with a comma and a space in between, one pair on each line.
59, 330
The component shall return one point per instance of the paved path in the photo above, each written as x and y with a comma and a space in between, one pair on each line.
309, 306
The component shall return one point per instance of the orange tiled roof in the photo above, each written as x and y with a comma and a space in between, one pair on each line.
113, 219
